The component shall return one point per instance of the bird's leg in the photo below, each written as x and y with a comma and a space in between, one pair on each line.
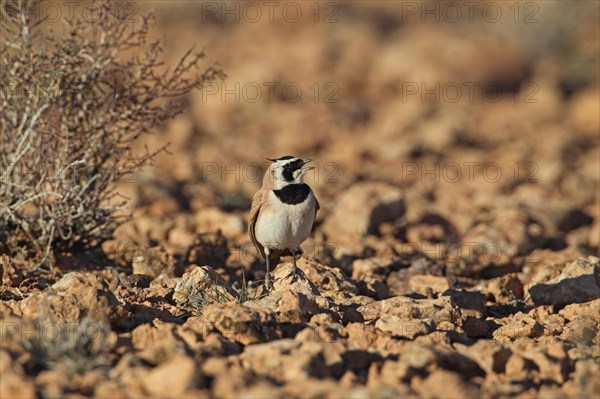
294, 274
268, 275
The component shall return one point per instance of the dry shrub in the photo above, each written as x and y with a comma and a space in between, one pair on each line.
71, 107
74, 348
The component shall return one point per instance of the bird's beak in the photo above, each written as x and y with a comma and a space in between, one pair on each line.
306, 169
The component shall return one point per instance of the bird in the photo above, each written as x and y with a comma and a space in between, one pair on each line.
283, 212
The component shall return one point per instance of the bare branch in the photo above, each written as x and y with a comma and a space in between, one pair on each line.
70, 112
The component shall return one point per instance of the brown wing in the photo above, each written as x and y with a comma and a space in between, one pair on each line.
259, 198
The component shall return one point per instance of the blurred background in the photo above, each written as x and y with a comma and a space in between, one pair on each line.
485, 115
458, 172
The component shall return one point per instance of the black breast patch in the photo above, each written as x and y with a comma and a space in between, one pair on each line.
293, 194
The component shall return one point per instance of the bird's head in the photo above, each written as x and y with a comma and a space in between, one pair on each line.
287, 170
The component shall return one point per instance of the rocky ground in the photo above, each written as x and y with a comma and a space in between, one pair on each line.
455, 253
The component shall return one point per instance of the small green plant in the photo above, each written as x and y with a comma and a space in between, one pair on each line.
193, 299
71, 107
198, 299
248, 290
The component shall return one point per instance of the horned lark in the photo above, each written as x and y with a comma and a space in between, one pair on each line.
283, 211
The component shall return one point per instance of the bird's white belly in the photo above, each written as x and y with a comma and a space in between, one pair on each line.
285, 226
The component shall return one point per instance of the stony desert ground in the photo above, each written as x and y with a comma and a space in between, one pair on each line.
456, 252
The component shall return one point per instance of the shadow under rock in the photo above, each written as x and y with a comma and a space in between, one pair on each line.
509, 308
579, 289
142, 314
